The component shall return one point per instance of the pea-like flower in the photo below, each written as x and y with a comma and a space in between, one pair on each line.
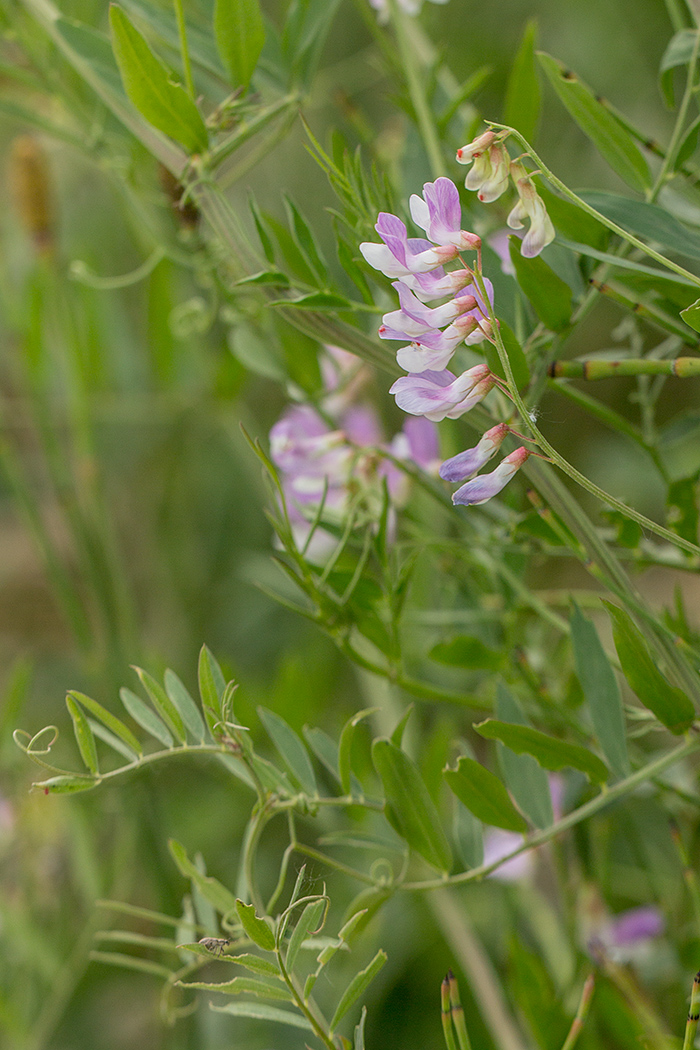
440, 394
400, 254
439, 213
490, 166
466, 464
433, 349
484, 487
530, 206
414, 318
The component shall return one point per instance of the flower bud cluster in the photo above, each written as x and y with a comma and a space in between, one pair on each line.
489, 174
435, 332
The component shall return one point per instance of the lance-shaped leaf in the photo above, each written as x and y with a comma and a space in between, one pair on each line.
66, 784
243, 986
256, 928
691, 315
484, 795
114, 724
185, 705
411, 807
149, 86
526, 780
145, 717
671, 706
345, 746
645, 220
290, 746
601, 691
356, 987
263, 1012
612, 141
163, 704
551, 753
549, 295
210, 888
240, 34
210, 687
678, 53
308, 923
83, 735
523, 94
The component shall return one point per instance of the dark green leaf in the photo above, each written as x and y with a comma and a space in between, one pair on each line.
611, 140
322, 301
145, 716
416, 817
291, 748
691, 315
265, 277
114, 724
256, 928
645, 220
484, 795
525, 779
186, 706
468, 652
523, 94
148, 84
571, 221
210, 888
549, 295
600, 689
547, 750
240, 34
83, 735
356, 987
671, 706
306, 240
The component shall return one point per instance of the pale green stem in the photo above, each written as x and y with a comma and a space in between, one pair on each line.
666, 169
693, 1015
680, 367
629, 237
427, 122
316, 1024
588, 809
581, 1013
184, 49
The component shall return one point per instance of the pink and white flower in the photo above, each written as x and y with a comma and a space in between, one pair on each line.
400, 255
466, 464
441, 395
439, 213
484, 487
530, 206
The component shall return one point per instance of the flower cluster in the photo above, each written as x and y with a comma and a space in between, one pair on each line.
435, 332
489, 174
341, 466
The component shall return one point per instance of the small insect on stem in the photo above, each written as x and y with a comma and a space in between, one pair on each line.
215, 945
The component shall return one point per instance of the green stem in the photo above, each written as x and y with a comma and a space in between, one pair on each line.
681, 367
415, 79
317, 1025
581, 1013
184, 49
570, 195
588, 809
693, 1015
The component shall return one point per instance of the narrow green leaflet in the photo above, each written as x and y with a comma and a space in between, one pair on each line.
601, 691
324, 747
359, 1039
186, 707
240, 35
523, 93
114, 724
308, 923
547, 750
243, 986
612, 141
83, 735
549, 295
525, 779
291, 748
256, 928
255, 963
263, 1012
163, 704
691, 315
356, 987
66, 785
678, 53
146, 718
468, 836
412, 808
209, 692
484, 795
210, 888
671, 706
466, 651
645, 220
148, 84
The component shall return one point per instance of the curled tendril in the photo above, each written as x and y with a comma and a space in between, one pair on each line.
382, 872
28, 743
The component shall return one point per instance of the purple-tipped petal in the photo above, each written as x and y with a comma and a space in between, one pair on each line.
486, 486
635, 925
468, 463
439, 395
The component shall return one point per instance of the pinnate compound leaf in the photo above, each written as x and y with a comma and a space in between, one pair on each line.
146, 718
83, 735
601, 691
210, 888
356, 987
611, 140
256, 928
263, 1012
551, 753
240, 34
163, 704
549, 295
670, 705
290, 746
148, 85
186, 707
416, 818
484, 795
114, 724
